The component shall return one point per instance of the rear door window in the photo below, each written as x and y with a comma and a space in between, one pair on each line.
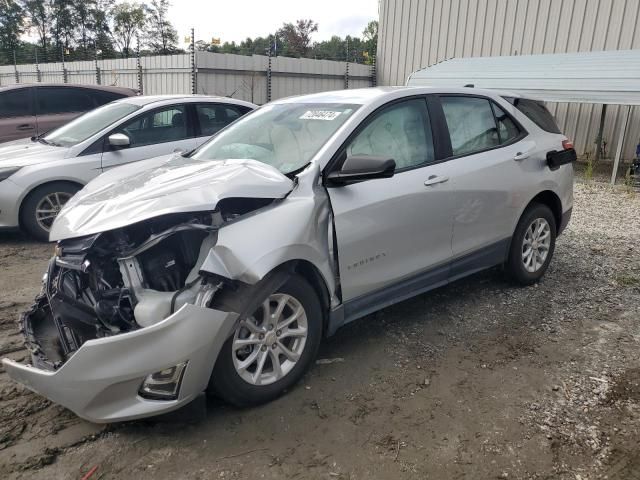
537, 112
213, 117
16, 103
472, 126
55, 100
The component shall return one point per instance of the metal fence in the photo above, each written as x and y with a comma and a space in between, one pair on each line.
256, 78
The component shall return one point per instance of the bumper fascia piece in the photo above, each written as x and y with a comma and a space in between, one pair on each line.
10, 196
100, 382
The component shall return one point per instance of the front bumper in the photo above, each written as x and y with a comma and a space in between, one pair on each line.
10, 195
100, 382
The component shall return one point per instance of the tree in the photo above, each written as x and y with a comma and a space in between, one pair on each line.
161, 36
297, 37
63, 18
101, 17
128, 20
11, 26
370, 35
84, 23
39, 18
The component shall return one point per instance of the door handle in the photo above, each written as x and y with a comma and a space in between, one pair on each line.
434, 179
522, 155
25, 126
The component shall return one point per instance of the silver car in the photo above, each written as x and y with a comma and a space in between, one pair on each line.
221, 271
39, 175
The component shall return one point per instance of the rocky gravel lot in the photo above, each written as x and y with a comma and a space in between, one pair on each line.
479, 379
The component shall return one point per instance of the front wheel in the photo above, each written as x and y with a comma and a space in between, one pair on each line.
271, 348
41, 207
532, 245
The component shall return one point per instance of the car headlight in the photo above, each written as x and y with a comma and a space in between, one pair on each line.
6, 172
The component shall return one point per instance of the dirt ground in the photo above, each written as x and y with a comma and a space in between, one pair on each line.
479, 379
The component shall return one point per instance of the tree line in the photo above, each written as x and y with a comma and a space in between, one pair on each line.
78, 29
294, 40
84, 29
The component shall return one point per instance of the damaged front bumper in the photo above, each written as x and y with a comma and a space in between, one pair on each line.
101, 381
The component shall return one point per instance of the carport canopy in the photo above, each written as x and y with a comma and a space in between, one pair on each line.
609, 78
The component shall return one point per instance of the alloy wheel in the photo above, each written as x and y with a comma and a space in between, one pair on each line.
536, 244
48, 208
268, 345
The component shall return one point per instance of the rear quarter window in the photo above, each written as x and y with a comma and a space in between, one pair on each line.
537, 112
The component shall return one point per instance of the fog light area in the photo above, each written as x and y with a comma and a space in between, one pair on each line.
165, 384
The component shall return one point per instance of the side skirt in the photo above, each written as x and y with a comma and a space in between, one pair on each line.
486, 257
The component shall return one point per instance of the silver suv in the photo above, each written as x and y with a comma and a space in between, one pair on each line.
222, 270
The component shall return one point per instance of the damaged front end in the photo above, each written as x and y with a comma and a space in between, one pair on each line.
123, 327
128, 324
116, 282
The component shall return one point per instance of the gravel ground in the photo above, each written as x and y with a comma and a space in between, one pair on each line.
479, 379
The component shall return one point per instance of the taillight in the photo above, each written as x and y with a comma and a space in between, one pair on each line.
567, 144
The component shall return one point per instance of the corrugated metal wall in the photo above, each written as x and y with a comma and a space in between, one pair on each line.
418, 33
243, 77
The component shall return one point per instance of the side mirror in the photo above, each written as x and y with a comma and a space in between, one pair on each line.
362, 167
119, 140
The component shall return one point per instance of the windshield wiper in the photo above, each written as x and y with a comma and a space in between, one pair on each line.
48, 142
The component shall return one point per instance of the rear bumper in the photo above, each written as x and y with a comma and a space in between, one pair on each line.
100, 382
566, 217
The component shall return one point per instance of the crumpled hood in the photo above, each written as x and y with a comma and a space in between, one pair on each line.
24, 152
163, 185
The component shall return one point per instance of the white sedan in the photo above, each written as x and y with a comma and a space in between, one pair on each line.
39, 175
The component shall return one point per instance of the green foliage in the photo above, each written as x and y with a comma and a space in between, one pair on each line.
294, 40
84, 29
39, 18
11, 23
588, 172
128, 21
161, 37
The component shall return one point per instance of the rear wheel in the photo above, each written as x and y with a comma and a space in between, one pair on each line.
271, 348
532, 245
41, 207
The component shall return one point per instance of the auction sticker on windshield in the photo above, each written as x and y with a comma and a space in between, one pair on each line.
320, 115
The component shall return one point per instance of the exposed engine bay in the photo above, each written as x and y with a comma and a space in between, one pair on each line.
122, 280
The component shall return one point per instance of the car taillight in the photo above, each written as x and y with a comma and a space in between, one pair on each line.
567, 144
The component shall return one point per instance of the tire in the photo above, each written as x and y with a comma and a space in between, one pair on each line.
520, 265
237, 388
37, 200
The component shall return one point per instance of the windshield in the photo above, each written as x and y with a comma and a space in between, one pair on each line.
285, 136
87, 125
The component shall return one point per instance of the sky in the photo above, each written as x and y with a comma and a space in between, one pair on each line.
235, 20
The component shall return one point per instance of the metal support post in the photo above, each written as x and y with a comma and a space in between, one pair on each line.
623, 131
